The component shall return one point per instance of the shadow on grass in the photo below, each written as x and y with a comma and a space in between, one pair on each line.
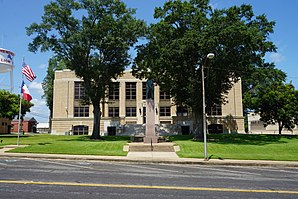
181, 137
241, 139
44, 143
103, 138
12, 136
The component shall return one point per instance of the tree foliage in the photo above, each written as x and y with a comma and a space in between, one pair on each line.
186, 32
48, 81
278, 104
93, 37
258, 80
10, 105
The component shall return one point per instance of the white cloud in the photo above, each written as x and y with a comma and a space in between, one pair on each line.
37, 87
42, 66
277, 57
38, 103
39, 111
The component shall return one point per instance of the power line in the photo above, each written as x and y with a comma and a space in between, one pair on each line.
39, 115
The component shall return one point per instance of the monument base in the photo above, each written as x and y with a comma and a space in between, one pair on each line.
152, 139
150, 136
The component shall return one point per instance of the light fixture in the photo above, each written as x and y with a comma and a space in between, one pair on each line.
209, 56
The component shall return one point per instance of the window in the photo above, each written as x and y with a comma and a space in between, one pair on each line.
215, 110
131, 90
215, 128
113, 111
143, 90
80, 130
79, 92
164, 96
182, 111
81, 111
165, 111
114, 91
131, 112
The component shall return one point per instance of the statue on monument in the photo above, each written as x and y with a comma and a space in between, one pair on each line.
150, 89
151, 136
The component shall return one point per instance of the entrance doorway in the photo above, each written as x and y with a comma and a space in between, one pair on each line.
111, 130
80, 130
185, 130
215, 128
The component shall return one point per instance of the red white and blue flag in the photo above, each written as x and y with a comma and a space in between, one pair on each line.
27, 71
25, 92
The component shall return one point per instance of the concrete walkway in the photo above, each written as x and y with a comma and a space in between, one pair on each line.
149, 157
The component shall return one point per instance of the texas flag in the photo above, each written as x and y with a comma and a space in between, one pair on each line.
25, 92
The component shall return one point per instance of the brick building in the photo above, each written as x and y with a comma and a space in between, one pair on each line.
5, 126
28, 125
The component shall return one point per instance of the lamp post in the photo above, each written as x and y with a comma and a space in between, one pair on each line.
209, 56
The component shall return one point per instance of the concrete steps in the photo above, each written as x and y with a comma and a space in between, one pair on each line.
160, 147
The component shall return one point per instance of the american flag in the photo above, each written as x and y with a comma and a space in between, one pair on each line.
27, 71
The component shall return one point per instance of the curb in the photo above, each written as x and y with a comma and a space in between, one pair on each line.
191, 161
157, 160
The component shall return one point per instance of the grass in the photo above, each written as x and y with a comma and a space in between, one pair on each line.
80, 145
226, 146
241, 146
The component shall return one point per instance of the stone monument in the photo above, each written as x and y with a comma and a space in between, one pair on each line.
150, 136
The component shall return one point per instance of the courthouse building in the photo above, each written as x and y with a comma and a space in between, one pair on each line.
125, 112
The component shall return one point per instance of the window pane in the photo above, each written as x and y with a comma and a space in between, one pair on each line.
143, 90
81, 111
163, 95
79, 91
215, 110
165, 111
113, 111
130, 90
114, 91
131, 111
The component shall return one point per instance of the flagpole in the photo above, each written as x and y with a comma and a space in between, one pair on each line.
19, 123
20, 110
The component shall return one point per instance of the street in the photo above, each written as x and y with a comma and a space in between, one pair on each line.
45, 178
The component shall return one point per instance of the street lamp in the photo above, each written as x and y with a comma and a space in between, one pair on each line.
209, 56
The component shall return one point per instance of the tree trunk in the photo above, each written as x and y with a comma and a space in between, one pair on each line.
280, 127
198, 125
96, 121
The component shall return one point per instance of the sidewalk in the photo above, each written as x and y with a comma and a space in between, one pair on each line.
150, 157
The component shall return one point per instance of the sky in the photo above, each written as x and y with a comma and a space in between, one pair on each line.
18, 14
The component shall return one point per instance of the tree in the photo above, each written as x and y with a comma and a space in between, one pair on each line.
48, 81
257, 80
179, 43
278, 104
93, 37
10, 105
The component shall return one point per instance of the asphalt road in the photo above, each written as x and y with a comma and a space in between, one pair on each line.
41, 178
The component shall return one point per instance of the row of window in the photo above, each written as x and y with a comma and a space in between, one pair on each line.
212, 128
83, 111
130, 91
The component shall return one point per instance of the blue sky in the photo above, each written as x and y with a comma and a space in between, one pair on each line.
18, 14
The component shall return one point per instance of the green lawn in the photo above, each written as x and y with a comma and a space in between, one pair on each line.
227, 146
80, 145
240, 146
